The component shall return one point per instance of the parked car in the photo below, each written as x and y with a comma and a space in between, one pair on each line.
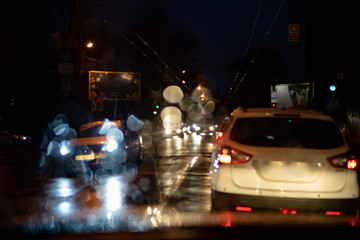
289, 160
7, 138
105, 143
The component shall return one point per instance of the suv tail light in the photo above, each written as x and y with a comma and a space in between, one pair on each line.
228, 156
346, 160
287, 211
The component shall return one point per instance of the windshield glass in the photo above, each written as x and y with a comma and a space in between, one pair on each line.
287, 132
113, 114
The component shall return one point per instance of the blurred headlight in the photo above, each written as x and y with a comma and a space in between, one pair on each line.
111, 145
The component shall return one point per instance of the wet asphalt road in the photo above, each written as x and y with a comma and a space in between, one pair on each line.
174, 174
169, 189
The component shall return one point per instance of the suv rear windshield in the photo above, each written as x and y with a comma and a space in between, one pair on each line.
287, 132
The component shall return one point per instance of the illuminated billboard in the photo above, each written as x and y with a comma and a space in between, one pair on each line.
296, 95
105, 85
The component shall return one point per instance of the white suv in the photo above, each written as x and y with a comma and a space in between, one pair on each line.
285, 160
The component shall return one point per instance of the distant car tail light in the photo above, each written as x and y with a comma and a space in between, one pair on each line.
243, 209
333, 213
343, 161
228, 156
287, 211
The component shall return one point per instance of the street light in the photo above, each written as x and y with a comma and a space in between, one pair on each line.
89, 44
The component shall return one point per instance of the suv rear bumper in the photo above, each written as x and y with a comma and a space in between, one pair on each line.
227, 201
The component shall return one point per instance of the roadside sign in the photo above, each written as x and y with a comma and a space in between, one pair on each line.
340, 76
296, 95
105, 85
333, 102
274, 98
293, 32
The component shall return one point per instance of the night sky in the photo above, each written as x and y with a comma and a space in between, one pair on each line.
224, 28
328, 43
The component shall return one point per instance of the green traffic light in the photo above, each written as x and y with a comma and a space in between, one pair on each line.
332, 88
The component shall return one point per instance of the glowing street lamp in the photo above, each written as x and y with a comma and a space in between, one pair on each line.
89, 44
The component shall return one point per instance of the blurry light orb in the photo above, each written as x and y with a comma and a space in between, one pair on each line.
119, 155
133, 123
185, 103
171, 117
144, 184
101, 174
64, 187
145, 140
209, 107
61, 128
59, 119
112, 145
64, 148
115, 134
167, 131
173, 94
64, 207
147, 127
194, 112
137, 196
107, 125
53, 149
131, 170
71, 134
89, 44
114, 193
200, 94
118, 169
171, 113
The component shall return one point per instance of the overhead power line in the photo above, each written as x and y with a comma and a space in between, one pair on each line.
174, 75
143, 53
232, 93
247, 48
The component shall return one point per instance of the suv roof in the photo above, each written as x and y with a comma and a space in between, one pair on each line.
277, 112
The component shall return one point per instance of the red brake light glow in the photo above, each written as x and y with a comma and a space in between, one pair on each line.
333, 213
352, 164
243, 209
225, 158
286, 211
227, 223
228, 156
343, 161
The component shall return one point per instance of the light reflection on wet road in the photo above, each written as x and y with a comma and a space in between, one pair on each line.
174, 176
171, 184
183, 177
